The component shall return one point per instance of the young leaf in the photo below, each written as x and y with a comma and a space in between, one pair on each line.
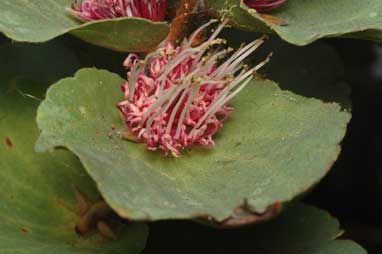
306, 21
43, 20
276, 146
38, 210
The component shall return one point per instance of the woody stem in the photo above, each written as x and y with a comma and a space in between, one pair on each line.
96, 212
179, 23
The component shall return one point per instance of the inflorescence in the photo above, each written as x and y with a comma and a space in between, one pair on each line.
89, 10
179, 96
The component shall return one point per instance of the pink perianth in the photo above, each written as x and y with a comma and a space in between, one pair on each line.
264, 5
179, 96
89, 10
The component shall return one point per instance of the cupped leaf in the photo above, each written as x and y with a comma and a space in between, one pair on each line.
123, 34
38, 210
307, 21
299, 229
275, 146
42, 20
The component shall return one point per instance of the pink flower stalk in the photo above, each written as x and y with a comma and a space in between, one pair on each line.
89, 10
179, 96
264, 5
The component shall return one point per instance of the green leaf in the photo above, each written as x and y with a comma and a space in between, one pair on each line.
299, 229
42, 20
275, 146
38, 210
307, 20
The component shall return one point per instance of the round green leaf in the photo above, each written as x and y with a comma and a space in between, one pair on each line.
275, 146
38, 210
307, 21
42, 20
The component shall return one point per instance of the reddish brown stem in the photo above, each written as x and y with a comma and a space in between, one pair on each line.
83, 202
96, 212
181, 20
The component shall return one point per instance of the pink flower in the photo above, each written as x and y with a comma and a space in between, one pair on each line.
179, 96
264, 5
89, 10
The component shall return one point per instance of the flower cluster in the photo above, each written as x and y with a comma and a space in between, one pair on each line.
264, 5
179, 96
89, 10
